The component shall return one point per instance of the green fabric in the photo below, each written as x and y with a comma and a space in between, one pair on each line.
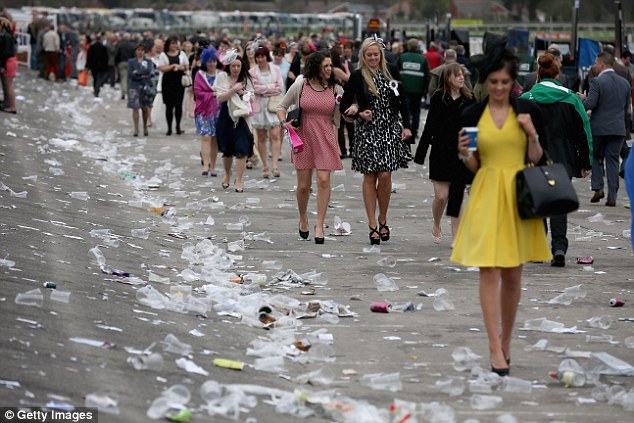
550, 91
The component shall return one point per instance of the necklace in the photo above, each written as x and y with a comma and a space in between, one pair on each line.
322, 86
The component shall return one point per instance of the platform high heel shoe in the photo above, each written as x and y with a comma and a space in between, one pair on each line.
374, 240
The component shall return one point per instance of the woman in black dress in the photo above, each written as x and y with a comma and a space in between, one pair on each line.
446, 171
382, 126
173, 63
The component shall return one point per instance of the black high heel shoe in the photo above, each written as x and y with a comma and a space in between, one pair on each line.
385, 236
318, 240
373, 240
303, 234
501, 372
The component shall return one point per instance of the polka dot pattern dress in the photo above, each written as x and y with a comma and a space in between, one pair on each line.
321, 149
377, 144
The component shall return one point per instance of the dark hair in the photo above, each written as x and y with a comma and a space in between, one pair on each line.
263, 51
335, 55
313, 66
171, 40
244, 74
496, 58
606, 58
626, 54
140, 45
278, 51
548, 67
349, 44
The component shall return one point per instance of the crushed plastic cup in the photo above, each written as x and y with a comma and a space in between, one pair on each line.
485, 402
516, 385
388, 261
235, 246
210, 390
318, 278
244, 219
60, 296
601, 322
629, 342
442, 301
97, 256
172, 344
375, 249
627, 233
143, 233
570, 373
453, 386
542, 324
178, 393
159, 407
382, 381
576, 292
464, 359
150, 297
272, 264
323, 376
384, 284
595, 339
105, 403
563, 299
270, 364
152, 361
33, 298
234, 226
79, 195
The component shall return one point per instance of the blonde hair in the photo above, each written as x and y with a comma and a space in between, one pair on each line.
365, 69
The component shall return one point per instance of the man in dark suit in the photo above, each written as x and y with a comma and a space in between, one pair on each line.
608, 103
531, 78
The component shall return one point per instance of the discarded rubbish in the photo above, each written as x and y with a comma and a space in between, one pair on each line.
323, 376
464, 359
172, 344
143, 233
375, 249
228, 364
270, 364
105, 403
616, 302
60, 296
178, 394
384, 284
152, 361
585, 260
454, 386
388, 261
485, 402
33, 298
341, 227
516, 385
190, 366
379, 307
51, 285
442, 301
601, 322
92, 342
382, 381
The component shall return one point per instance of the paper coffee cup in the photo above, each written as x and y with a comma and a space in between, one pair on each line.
472, 131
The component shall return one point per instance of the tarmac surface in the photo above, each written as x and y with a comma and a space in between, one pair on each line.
64, 141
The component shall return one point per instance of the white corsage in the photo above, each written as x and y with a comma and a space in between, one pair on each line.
394, 86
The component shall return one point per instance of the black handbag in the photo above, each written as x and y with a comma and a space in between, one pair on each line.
545, 191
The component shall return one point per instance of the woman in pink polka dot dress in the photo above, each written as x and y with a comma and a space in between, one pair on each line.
318, 94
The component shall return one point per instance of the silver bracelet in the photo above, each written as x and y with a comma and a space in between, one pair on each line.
467, 157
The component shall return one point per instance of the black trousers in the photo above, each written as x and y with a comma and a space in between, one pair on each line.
341, 137
558, 231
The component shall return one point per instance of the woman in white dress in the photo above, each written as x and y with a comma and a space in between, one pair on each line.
267, 83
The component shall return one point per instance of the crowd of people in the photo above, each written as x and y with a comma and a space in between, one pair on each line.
246, 95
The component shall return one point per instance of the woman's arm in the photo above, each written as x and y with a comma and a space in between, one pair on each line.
341, 74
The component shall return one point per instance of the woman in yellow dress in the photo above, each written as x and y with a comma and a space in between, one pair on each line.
492, 236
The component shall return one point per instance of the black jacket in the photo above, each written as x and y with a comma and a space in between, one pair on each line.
568, 143
97, 60
357, 91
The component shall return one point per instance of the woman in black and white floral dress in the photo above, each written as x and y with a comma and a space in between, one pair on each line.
382, 126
